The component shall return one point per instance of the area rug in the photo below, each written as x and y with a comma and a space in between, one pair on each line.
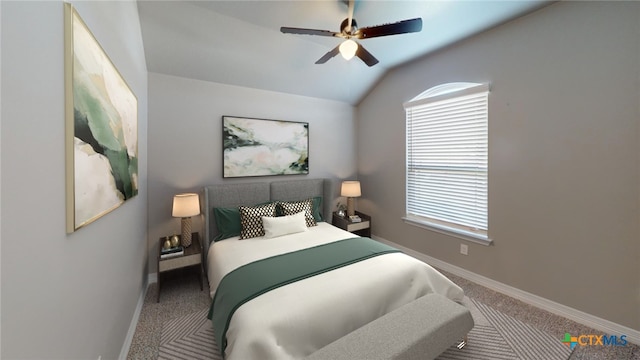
495, 336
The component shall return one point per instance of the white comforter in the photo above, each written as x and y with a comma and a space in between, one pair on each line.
293, 321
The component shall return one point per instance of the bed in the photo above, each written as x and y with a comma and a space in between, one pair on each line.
298, 316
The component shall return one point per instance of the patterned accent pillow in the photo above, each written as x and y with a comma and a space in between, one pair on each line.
251, 219
294, 207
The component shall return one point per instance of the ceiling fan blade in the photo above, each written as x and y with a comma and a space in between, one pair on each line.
335, 51
366, 56
301, 31
400, 27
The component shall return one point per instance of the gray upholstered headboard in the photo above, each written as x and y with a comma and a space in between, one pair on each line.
298, 190
234, 195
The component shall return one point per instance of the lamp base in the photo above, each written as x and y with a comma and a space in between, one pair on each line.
351, 206
186, 232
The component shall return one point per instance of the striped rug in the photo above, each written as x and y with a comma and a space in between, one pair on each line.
495, 336
188, 337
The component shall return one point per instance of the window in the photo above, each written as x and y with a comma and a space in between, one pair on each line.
447, 159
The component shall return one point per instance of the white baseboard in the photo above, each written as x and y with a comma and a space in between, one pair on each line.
152, 278
594, 322
134, 323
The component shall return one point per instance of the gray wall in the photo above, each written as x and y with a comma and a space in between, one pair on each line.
185, 134
564, 155
64, 296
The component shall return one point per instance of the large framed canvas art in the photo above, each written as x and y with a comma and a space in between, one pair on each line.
101, 138
259, 147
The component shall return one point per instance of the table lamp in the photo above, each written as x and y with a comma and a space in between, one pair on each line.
351, 189
185, 206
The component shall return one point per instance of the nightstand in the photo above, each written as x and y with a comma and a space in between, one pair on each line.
192, 258
362, 228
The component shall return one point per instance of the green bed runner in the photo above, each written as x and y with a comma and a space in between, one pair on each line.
256, 278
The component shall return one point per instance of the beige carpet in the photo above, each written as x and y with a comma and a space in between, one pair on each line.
181, 296
496, 336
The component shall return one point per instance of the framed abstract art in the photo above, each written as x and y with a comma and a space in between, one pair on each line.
260, 147
101, 129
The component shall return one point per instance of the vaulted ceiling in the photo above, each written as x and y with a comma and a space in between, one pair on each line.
240, 43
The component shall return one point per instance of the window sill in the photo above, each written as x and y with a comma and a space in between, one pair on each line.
460, 234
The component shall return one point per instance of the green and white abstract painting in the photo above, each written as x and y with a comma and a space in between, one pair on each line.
102, 129
258, 147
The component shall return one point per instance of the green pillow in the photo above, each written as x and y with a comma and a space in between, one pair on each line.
317, 208
228, 222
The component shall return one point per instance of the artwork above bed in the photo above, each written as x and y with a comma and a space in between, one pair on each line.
259, 147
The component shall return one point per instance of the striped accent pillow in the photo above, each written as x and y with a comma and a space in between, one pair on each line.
294, 207
251, 219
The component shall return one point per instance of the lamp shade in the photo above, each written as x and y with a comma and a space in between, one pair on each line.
186, 205
350, 189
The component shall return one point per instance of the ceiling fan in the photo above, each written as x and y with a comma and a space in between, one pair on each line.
349, 30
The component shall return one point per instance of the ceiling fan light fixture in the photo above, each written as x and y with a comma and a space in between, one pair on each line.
349, 29
348, 49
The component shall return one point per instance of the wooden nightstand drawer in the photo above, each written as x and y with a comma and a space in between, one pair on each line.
357, 226
179, 262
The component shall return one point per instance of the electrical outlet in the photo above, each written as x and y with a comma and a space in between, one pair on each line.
464, 249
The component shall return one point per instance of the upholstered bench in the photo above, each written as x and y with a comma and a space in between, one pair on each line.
420, 330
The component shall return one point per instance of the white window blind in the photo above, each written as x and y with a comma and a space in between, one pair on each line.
447, 157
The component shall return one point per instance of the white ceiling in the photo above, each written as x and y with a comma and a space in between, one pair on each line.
240, 43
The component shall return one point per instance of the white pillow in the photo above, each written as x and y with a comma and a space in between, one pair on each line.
283, 225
